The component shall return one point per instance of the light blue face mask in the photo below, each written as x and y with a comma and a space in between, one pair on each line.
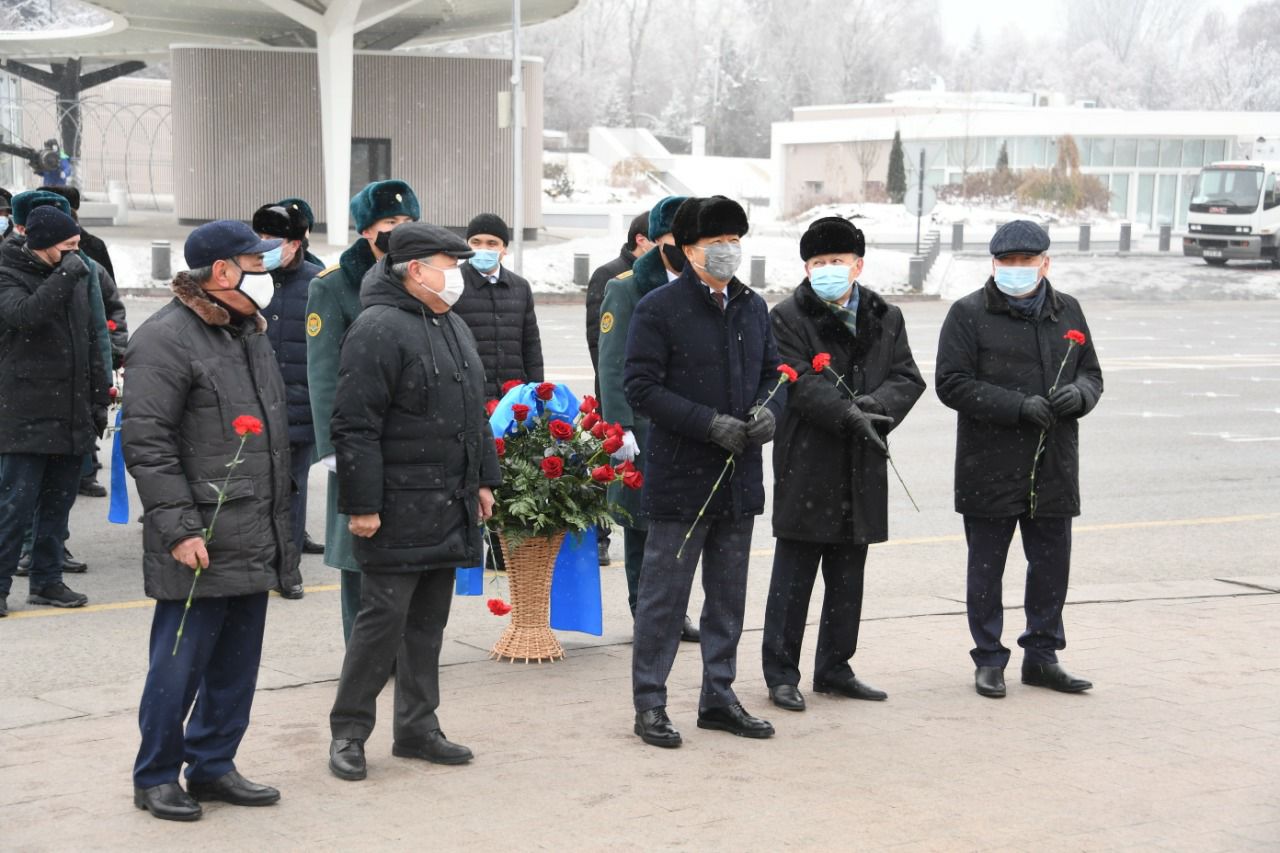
485, 260
1017, 281
272, 258
830, 282
4, 224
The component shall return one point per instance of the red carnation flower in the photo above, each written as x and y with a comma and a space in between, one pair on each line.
599, 430
615, 431
603, 474
111, 326
589, 404
520, 411
612, 444
625, 467
545, 391
113, 392
1075, 336
501, 446
552, 467
633, 479
490, 407
821, 362
509, 384
560, 430
246, 424
498, 607
589, 421
788, 371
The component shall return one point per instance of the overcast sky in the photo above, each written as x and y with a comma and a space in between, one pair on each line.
1037, 17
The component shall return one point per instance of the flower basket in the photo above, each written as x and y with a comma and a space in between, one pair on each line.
529, 568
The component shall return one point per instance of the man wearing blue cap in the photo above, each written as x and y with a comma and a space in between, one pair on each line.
332, 306
196, 366
999, 355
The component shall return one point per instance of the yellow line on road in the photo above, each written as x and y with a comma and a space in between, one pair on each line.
761, 552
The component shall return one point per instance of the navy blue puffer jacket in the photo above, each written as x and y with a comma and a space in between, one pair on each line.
286, 318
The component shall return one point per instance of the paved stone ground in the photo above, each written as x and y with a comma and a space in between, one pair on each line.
1176, 748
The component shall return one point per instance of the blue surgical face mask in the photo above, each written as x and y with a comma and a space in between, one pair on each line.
485, 260
830, 282
1017, 281
272, 258
4, 224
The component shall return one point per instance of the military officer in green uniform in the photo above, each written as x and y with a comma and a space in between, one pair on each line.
332, 306
653, 269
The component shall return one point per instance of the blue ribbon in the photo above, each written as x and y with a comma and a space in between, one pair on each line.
118, 509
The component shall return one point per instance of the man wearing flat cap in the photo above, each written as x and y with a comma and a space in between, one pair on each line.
831, 488
999, 355
195, 366
333, 304
700, 362
416, 468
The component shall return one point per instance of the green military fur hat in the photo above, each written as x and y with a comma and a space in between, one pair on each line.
663, 214
25, 202
383, 199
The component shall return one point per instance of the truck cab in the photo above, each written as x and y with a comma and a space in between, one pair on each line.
1235, 213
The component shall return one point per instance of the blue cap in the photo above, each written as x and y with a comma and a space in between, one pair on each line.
222, 240
1019, 237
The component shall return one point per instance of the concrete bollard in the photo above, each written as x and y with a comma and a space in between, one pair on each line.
1085, 234
757, 272
957, 236
1166, 234
160, 270
1126, 236
915, 273
581, 270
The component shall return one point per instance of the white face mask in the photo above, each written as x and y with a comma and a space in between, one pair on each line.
453, 285
259, 289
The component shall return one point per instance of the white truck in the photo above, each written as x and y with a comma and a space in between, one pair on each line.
1235, 213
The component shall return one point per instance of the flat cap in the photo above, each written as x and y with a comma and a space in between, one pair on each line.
1019, 237
413, 241
222, 240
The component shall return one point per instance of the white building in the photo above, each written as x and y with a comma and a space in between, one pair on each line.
1149, 160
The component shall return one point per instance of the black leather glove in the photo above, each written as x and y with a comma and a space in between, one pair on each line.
728, 432
73, 265
1067, 401
1037, 411
868, 426
868, 404
117, 358
100, 422
761, 425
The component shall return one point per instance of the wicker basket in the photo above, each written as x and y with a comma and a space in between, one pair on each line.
529, 570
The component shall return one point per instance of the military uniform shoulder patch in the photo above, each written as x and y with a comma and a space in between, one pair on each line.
324, 272
606, 322
626, 274
314, 324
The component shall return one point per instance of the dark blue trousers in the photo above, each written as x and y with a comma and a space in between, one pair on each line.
216, 667
1046, 542
36, 491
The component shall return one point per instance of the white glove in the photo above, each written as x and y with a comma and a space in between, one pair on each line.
629, 449
330, 462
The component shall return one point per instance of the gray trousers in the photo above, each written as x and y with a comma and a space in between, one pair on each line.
665, 581
401, 619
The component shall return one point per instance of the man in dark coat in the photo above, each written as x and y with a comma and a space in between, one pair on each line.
416, 468
333, 303
195, 367
637, 244
652, 270
53, 397
999, 355
700, 362
831, 496
498, 308
286, 317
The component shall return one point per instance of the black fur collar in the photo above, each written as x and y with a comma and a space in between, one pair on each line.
871, 311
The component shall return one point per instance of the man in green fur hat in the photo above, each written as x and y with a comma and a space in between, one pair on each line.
332, 306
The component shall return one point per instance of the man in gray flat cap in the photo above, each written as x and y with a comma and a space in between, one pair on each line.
999, 355
416, 467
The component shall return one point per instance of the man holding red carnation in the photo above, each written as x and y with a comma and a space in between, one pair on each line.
1016, 363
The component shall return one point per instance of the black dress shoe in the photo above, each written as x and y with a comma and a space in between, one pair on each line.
72, 565
735, 720
787, 696
4, 606
690, 633
655, 729
851, 687
235, 789
346, 759
310, 546
291, 592
91, 488
989, 681
167, 802
1053, 676
435, 747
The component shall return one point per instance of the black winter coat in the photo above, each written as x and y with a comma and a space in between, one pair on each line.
192, 371
829, 485
505, 327
412, 438
113, 306
595, 298
287, 330
52, 378
989, 361
687, 361
94, 247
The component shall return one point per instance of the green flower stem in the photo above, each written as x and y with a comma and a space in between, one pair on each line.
887, 455
1033, 498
